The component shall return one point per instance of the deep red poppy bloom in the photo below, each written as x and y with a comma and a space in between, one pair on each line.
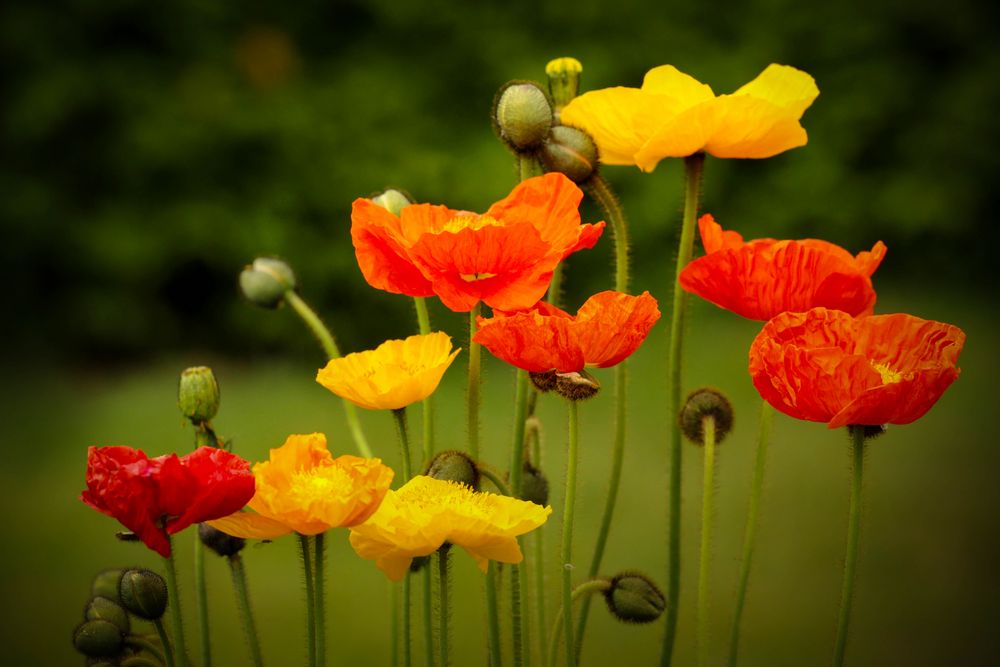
608, 328
762, 278
826, 366
504, 257
158, 497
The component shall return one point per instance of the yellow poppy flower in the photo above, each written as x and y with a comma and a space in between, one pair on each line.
674, 115
302, 488
393, 375
426, 512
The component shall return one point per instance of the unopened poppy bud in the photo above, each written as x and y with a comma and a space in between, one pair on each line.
702, 403
198, 394
534, 485
265, 282
393, 201
101, 608
455, 466
870, 432
543, 381
577, 386
105, 584
522, 115
634, 598
571, 152
564, 79
221, 543
143, 593
97, 638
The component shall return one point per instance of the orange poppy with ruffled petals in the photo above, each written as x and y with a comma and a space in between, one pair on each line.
761, 278
503, 257
607, 328
826, 366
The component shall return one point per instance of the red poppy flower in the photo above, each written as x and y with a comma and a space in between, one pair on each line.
504, 257
158, 497
824, 365
762, 278
608, 328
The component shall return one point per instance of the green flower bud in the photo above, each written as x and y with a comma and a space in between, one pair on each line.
577, 386
543, 381
143, 593
522, 115
534, 485
101, 608
564, 79
106, 584
571, 152
221, 543
701, 404
198, 394
393, 201
634, 598
265, 282
98, 638
455, 466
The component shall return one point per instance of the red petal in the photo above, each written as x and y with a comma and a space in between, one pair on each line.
610, 326
381, 253
224, 484
532, 341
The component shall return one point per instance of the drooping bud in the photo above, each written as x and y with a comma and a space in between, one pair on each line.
108, 610
571, 152
543, 381
634, 598
198, 394
98, 638
455, 466
265, 282
564, 79
701, 404
522, 115
221, 543
143, 593
393, 201
534, 485
577, 386
870, 431
105, 584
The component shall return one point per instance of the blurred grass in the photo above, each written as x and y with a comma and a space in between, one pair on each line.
927, 589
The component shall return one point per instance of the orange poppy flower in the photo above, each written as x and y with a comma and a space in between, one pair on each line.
764, 277
826, 366
607, 328
503, 257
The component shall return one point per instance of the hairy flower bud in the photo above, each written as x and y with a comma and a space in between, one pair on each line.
571, 152
143, 593
221, 543
198, 394
543, 381
632, 597
534, 485
577, 386
701, 404
455, 466
522, 115
564, 79
107, 610
265, 282
105, 584
98, 638
393, 201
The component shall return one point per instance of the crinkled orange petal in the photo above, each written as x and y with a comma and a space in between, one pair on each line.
532, 341
383, 259
250, 525
610, 326
714, 238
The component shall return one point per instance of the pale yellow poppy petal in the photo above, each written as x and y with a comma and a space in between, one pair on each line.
685, 90
748, 127
783, 86
684, 134
619, 120
250, 526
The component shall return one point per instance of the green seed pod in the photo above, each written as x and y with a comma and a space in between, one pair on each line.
455, 466
265, 282
634, 598
564, 79
577, 386
543, 381
571, 152
393, 201
534, 485
701, 404
221, 543
522, 115
143, 593
105, 584
98, 638
198, 394
101, 608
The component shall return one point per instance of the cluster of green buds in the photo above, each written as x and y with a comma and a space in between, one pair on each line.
106, 636
526, 118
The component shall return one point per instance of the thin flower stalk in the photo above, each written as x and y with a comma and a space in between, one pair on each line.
517, 573
493, 616
472, 394
168, 649
566, 550
705, 552
176, 619
693, 174
318, 565
246, 611
535, 436
201, 603
587, 589
399, 417
304, 549
853, 539
443, 610
424, 327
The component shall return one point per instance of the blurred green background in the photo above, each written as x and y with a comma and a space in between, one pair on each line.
150, 151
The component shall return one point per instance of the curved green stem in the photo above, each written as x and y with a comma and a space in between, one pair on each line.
493, 615
424, 325
168, 650
201, 600
176, 619
566, 550
495, 480
528, 167
535, 436
442, 559
693, 173
246, 611
519, 618
600, 191
304, 549
750, 534
705, 553
141, 644
472, 395
587, 588
399, 416
329, 345
853, 538
318, 565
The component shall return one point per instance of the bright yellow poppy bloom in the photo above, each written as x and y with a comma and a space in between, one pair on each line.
302, 488
393, 375
426, 512
674, 115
